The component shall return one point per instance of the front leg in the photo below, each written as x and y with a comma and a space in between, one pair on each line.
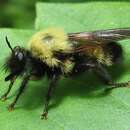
4, 96
49, 94
22, 87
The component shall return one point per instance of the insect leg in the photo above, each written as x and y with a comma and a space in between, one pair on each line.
103, 73
4, 96
50, 91
22, 87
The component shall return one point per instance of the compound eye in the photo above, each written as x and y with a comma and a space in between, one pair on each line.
19, 55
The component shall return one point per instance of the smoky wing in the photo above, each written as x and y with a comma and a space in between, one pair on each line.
101, 35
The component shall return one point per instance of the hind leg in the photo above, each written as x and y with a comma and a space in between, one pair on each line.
102, 72
106, 77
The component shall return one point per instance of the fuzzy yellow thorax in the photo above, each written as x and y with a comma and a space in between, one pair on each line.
44, 43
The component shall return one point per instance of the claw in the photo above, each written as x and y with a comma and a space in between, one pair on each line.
3, 98
128, 84
11, 107
44, 116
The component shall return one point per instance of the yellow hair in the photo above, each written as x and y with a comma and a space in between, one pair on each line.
44, 43
102, 56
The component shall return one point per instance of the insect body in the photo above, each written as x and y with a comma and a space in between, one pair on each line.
53, 53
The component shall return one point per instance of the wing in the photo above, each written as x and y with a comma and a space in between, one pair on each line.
88, 48
101, 35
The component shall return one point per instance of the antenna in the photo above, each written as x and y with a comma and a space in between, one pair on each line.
8, 43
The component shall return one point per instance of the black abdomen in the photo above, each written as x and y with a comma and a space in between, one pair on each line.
115, 50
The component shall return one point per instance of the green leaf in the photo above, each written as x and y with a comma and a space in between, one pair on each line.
81, 103
83, 16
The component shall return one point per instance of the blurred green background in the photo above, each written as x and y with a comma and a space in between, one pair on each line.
13, 13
